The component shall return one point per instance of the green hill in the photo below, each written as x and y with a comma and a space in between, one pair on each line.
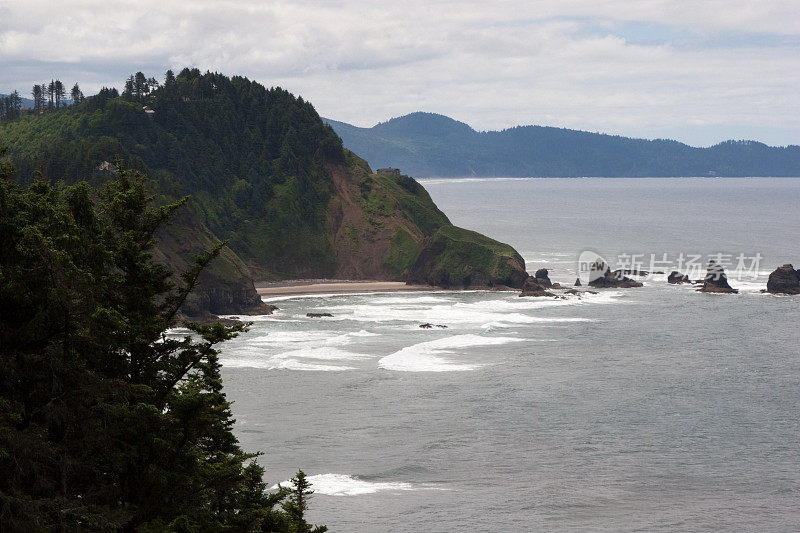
264, 172
431, 145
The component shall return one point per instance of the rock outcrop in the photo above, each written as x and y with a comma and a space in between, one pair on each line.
532, 287
542, 278
225, 287
676, 278
458, 258
716, 280
601, 276
784, 280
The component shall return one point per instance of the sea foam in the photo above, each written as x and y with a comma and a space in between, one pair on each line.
428, 356
344, 485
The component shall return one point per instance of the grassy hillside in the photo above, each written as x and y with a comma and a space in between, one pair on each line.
426, 144
456, 257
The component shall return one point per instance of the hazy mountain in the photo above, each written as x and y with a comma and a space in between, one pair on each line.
427, 144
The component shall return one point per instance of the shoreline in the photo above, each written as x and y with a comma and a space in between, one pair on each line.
321, 286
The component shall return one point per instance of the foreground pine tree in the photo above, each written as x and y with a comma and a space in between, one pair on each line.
105, 422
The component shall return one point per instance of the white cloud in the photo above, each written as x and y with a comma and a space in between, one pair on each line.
716, 69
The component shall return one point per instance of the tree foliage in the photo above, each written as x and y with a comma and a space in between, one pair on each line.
107, 422
253, 159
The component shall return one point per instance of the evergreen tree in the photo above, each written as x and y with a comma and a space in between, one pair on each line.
38, 98
76, 94
60, 92
128, 92
140, 86
105, 421
51, 93
297, 504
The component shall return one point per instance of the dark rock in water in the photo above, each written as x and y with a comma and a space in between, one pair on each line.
318, 315
542, 278
556, 286
676, 277
578, 282
572, 291
784, 280
716, 280
430, 326
601, 276
533, 288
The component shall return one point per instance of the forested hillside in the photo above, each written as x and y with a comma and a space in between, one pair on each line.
264, 173
426, 144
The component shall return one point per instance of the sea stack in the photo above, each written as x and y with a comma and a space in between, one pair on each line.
601, 276
542, 278
533, 287
784, 280
578, 282
676, 277
716, 280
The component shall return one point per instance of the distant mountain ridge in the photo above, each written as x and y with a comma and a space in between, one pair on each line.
433, 145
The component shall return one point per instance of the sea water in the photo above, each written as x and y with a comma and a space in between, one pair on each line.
647, 409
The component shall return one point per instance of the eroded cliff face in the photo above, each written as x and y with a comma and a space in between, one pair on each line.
378, 222
225, 286
385, 226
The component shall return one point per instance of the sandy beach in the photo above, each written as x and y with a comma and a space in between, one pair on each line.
297, 287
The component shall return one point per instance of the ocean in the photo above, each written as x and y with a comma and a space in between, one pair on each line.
649, 409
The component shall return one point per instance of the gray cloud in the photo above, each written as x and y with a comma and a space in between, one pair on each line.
699, 71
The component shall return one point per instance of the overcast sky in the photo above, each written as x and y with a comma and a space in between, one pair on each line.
699, 71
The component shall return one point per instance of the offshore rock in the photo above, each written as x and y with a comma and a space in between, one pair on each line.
601, 276
676, 277
533, 288
784, 280
716, 280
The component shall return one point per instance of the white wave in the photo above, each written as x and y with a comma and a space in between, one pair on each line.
427, 356
408, 300
282, 337
363, 333
509, 309
747, 286
325, 353
310, 357
310, 339
344, 485
277, 364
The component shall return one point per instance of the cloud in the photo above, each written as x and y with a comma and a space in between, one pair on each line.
701, 71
